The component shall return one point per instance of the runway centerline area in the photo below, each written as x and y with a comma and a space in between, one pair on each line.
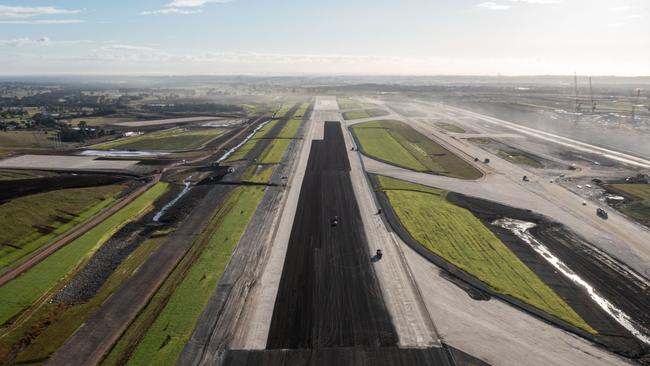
329, 295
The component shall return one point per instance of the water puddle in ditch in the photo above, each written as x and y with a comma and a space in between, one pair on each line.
121, 153
250, 136
171, 203
520, 229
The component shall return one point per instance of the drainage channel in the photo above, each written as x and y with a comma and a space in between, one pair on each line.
520, 229
171, 203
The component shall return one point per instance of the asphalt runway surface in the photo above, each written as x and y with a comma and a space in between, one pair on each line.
329, 295
329, 308
389, 356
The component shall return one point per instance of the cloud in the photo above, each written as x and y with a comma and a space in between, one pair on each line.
192, 3
491, 5
26, 12
182, 7
171, 11
543, 2
621, 8
129, 47
43, 21
37, 42
25, 41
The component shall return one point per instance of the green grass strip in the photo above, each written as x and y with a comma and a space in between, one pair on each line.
21, 293
365, 113
164, 341
284, 109
171, 139
456, 235
430, 156
20, 217
64, 320
258, 174
380, 144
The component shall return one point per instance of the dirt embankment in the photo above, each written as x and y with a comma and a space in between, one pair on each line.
85, 285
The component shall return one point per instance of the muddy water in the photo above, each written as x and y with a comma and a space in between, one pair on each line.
520, 229
171, 203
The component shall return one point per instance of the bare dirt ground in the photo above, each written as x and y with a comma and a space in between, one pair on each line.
66, 162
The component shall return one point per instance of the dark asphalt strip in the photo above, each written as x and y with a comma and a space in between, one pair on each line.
329, 295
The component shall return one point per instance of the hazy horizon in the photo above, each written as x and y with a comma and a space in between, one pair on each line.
379, 38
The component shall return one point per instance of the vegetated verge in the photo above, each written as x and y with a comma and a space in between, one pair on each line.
164, 340
399, 144
274, 152
450, 127
458, 237
639, 207
173, 139
365, 113
51, 324
29, 223
519, 158
20, 293
351, 103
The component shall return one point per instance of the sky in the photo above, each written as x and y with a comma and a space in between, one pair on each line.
335, 37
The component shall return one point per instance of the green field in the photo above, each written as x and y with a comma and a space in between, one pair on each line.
164, 341
302, 110
23, 174
290, 129
450, 127
639, 209
284, 109
397, 143
274, 152
29, 223
454, 234
170, 140
351, 103
21, 293
258, 174
519, 159
51, 324
639, 191
365, 113
26, 139
241, 153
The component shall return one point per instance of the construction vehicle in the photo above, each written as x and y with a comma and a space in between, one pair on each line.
335, 221
601, 213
